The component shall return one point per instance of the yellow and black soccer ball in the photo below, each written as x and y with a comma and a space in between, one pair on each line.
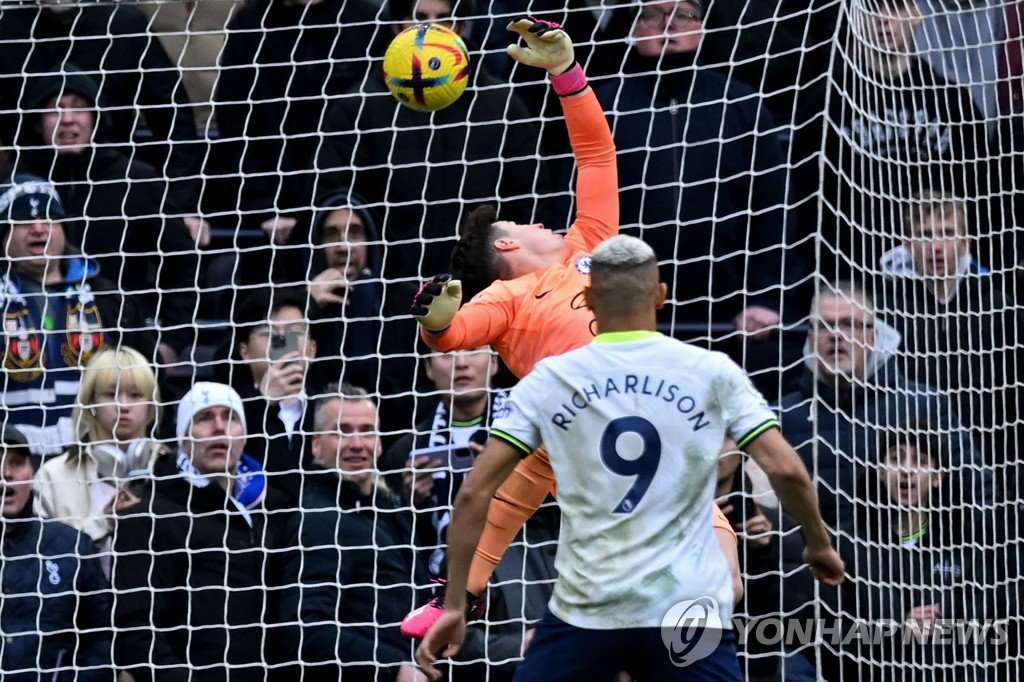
426, 67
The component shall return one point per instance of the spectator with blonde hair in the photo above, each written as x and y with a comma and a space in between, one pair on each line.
114, 416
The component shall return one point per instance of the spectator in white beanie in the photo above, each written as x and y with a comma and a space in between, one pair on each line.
190, 558
206, 410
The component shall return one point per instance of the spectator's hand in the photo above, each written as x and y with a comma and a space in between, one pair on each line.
527, 638
279, 228
436, 303
547, 45
329, 287
120, 501
284, 377
922, 618
168, 355
826, 564
448, 632
757, 322
199, 229
754, 531
409, 673
417, 485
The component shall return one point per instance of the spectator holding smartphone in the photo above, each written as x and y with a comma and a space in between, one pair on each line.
428, 466
367, 338
275, 349
429, 479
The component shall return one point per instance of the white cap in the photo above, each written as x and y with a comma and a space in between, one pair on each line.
206, 394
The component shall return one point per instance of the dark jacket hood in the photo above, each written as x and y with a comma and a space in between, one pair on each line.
332, 202
41, 88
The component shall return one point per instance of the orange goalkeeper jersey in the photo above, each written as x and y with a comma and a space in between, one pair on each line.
542, 314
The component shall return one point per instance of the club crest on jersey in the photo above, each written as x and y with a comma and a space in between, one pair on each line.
22, 347
83, 337
583, 265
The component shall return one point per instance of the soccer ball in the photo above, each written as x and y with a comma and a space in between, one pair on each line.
426, 67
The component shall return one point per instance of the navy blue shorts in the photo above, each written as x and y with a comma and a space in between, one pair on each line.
560, 651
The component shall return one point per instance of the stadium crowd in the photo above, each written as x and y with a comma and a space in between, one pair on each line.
227, 454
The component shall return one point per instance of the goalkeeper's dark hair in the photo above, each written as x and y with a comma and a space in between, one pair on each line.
475, 261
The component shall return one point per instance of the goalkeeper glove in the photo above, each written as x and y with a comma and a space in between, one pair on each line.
547, 45
436, 303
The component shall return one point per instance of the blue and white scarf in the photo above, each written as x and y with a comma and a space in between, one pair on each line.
250, 483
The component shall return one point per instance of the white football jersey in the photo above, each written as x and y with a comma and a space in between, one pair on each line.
634, 424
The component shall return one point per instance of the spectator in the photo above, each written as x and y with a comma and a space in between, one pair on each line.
420, 178
112, 44
442, 442
56, 605
58, 313
769, 548
191, 568
914, 562
961, 41
193, 34
523, 579
275, 382
351, 583
117, 205
114, 417
706, 182
960, 333
776, 46
367, 338
887, 126
850, 390
284, 62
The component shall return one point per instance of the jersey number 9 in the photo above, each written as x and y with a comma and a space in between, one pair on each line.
642, 467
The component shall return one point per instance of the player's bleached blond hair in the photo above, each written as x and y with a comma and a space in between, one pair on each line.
623, 251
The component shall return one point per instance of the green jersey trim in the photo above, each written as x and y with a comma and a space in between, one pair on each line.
523, 448
753, 435
625, 337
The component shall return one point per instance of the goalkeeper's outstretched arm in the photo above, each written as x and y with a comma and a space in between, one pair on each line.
597, 187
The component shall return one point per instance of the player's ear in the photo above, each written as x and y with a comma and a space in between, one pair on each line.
503, 244
660, 294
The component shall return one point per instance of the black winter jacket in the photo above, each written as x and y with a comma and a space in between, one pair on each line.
421, 180
704, 183
836, 432
348, 582
113, 44
55, 610
116, 209
195, 583
282, 66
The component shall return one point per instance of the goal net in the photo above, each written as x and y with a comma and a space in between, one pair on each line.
229, 188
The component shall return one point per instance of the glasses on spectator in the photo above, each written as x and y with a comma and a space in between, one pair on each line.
654, 18
845, 325
266, 332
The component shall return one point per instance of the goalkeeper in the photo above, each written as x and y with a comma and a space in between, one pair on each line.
530, 302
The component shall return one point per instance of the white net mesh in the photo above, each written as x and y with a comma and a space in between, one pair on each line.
228, 187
